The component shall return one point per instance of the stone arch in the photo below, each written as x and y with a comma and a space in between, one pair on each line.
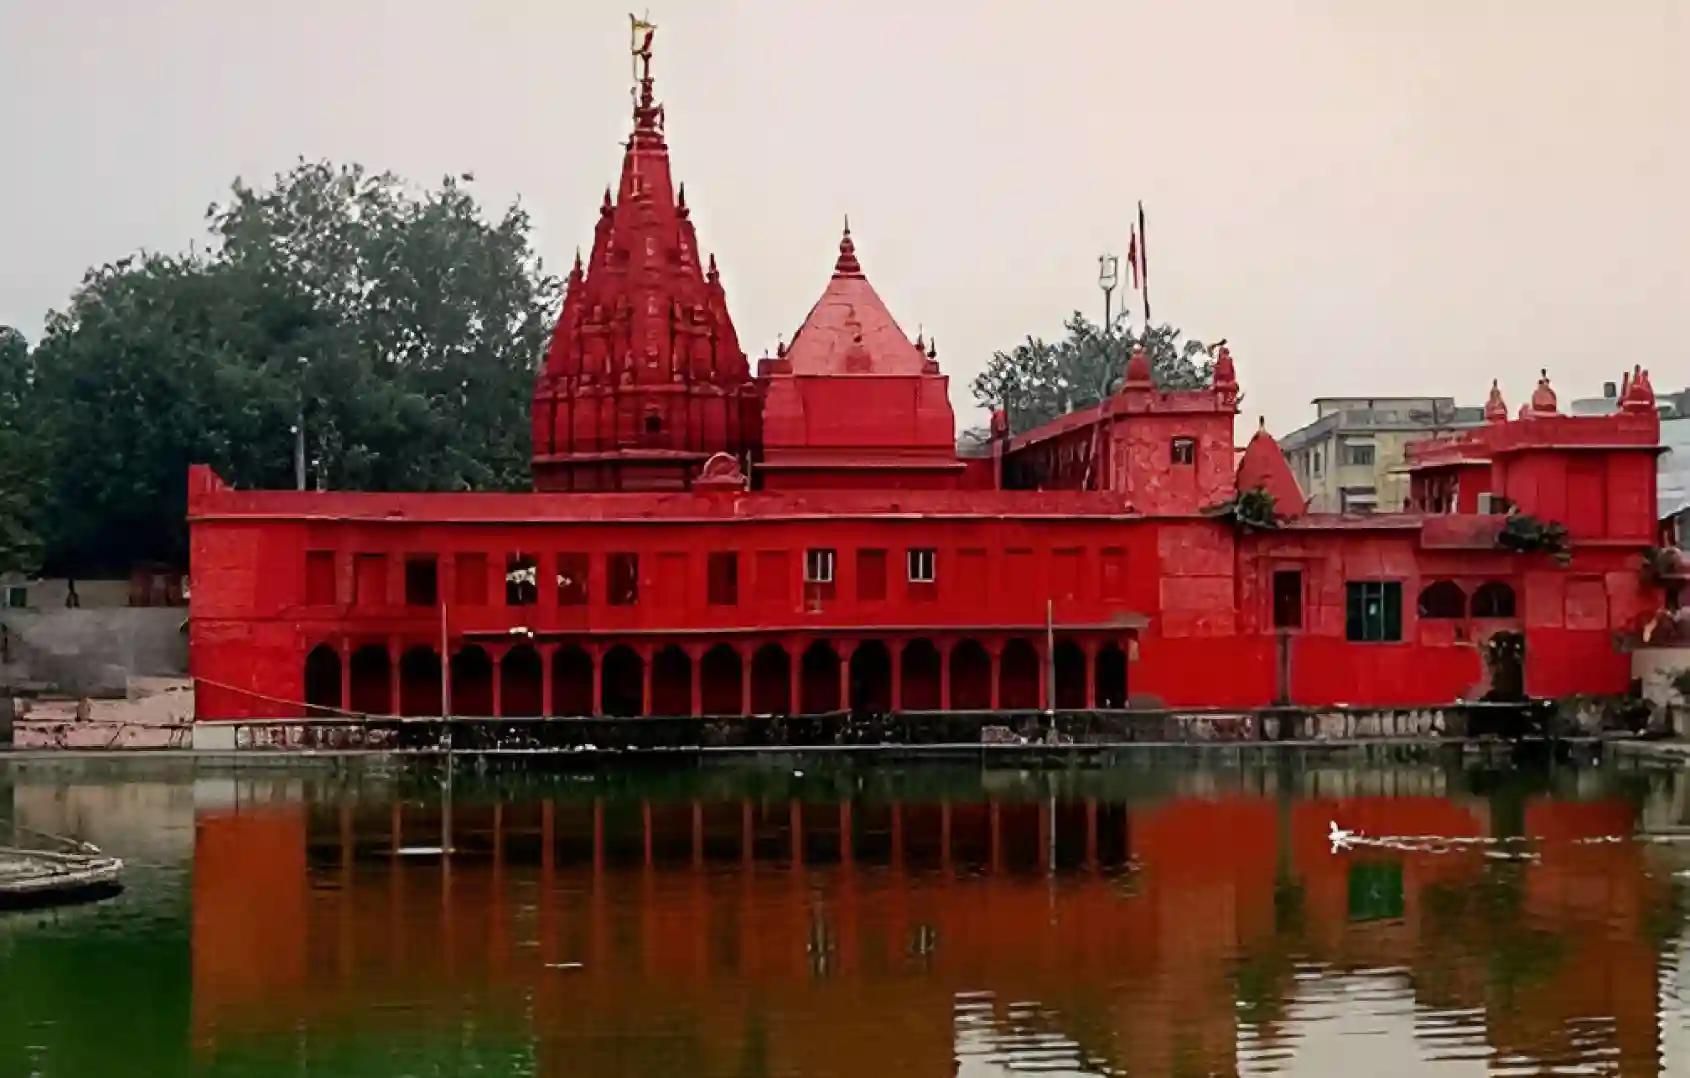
572, 681
322, 681
771, 681
971, 677
818, 678
871, 678
1443, 599
419, 681
671, 682
921, 676
1494, 599
372, 681
521, 682
1111, 663
1070, 675
472, 682
622, 673
1018, 676
721, 681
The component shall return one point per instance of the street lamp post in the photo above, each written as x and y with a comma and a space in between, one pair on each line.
299, 431
1108, 267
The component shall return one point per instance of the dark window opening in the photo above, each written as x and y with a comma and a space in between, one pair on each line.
653, 423
522, 580
723, 585
1494, 599
624, 574
923, 565
422, 580
319, 579
1359, 454
818, 566
1443, 599
1288, 599
572, 580
1183, 451
1373, 611
871, 576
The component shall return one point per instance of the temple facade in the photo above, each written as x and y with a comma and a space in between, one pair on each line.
705, 538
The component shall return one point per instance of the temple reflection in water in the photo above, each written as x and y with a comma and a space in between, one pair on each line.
753, 922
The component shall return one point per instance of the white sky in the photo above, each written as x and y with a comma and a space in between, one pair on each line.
1365, 197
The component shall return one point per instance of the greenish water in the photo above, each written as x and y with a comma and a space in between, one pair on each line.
1167, 914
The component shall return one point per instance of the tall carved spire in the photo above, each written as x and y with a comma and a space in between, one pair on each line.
644, 327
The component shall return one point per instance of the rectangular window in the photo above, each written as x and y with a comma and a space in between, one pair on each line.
572, 572
522, 580
818, 566
1288, 599
319, 578
1357, 499
1361, 454
1183, 451
471, 579
369, 579
871, 576
422, 580
722, 588
623, 573
922, 565
17, 597
1373, 611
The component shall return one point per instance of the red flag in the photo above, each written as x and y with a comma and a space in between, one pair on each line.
1132, 257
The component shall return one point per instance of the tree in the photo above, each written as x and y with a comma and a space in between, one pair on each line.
402, 325
20, 487
1035, 382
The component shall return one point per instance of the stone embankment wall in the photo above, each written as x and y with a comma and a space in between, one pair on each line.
90, 651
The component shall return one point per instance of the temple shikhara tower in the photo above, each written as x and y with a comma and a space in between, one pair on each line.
800, 536
645, 377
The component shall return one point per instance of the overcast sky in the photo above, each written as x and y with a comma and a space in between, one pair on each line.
1365, 197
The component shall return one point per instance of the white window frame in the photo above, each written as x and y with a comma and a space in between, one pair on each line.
921, 564
819, 563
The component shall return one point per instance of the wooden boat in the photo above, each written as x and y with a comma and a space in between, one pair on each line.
42, 877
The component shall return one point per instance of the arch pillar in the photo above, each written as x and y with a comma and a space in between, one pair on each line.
695, 656
994, 652
795, 672
345, 651
846, 649
497, 655
745, 660
395, 652
646, 653
1088, 648
547, 653
595, 655
945, 646
895, 646
1047, 691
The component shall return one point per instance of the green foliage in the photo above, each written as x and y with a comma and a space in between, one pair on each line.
1249, 511
405, 325
1037, 381
1524, 533
20, 486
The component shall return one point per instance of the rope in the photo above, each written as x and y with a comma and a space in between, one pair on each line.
302, 705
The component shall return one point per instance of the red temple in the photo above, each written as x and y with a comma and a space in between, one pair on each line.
805, 539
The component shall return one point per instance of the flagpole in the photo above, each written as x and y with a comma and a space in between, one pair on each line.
1144, 268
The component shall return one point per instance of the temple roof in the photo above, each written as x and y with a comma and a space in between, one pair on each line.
643, 309
1263, 465
849, 330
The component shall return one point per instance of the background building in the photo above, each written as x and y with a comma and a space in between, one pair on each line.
1350, 459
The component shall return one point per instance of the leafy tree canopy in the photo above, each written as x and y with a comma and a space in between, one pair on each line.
1037, 381
403, 324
